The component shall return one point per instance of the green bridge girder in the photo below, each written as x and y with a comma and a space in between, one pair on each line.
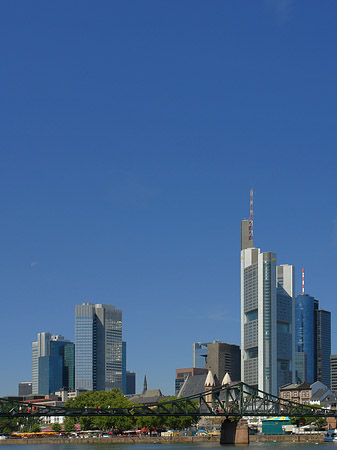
237, 400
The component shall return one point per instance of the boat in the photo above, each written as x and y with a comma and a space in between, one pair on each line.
331, 436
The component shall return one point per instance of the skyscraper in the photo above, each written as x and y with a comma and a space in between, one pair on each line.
323, 346
223, 358
53, 363
306, 337
267, 316
98, 347
199, 354
39, 348
313, 339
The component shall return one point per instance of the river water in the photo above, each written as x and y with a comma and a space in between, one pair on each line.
188, 446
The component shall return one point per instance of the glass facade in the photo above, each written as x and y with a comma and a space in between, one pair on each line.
124, 367
50, 371
306, 334
323, 346
84, 347
130, 383
285, 322
199, 354
98, 347
69, 366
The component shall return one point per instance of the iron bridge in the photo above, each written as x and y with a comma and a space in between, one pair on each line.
237, 400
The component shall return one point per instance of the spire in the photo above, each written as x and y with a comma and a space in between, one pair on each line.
226, 379
144, 385
302, 281
209, 379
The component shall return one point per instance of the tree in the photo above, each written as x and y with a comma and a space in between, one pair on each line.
69, 424
104, 400
320, 422
179, 422
56, 427
35, 428
150, 422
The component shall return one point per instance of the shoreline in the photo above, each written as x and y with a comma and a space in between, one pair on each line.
300, 438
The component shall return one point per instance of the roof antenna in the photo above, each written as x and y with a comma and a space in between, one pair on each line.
302, 281
250, 226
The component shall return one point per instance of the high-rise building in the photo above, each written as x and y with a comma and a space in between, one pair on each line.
25, 388
39, 348
199, 354
267, 316
313, 339
306, 337
224, 358
98, 347
130, 383
52, 369
323, 346
124, 367
285, 317
333, 373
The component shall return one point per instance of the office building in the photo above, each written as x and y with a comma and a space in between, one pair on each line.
333, 373
39, 348
53, 363
130, 383
98, 347
224, 358
323, 346
124, 367
300, 367
313, 339
267, 316
306, 337
69, 365
25, 388
199, 354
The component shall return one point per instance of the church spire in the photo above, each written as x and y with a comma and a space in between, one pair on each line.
145, 385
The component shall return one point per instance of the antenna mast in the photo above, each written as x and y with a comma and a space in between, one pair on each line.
303, 281
250, 226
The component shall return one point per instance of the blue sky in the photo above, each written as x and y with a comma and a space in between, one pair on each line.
130, 135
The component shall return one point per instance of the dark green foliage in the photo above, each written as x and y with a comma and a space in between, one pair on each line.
56, 427
178, 423
69, 424
102, 399
7, 426
35, 428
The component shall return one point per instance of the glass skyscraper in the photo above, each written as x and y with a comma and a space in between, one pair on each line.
53, 363
313, 338
98, 347
199, 354
267, 317
306, 336
323, 346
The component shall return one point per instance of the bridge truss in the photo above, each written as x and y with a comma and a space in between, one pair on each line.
236, 400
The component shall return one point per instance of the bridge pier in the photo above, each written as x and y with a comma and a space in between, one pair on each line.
234, 432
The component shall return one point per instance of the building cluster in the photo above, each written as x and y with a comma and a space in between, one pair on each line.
212, 360
285, 339
96, 361
285, 342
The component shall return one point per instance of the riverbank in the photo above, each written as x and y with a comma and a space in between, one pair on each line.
164, 439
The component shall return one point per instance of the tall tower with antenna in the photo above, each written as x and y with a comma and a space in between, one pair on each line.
267, 315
